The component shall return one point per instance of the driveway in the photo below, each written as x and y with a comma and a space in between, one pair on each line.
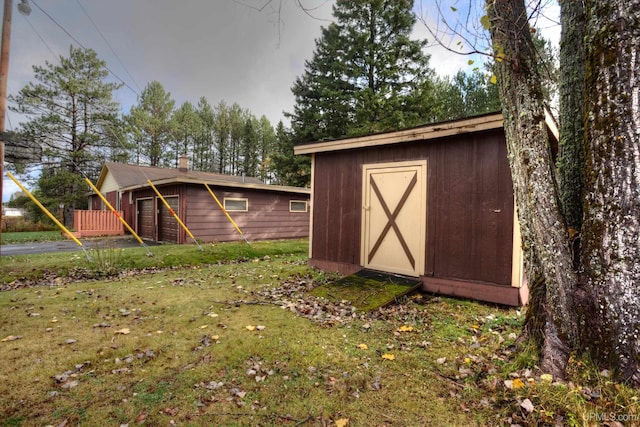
69, 245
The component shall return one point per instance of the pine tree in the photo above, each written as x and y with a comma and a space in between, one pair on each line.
366, 73
289, 169
151, 120
266, 147
186, 125
68, 108
204, 151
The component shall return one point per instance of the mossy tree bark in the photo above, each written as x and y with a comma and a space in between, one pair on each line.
548, 258
589, 302
611, 226
571, 149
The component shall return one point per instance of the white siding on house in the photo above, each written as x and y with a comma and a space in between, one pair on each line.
109, 184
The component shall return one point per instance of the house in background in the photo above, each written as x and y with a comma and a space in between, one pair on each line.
262, 211
434, 202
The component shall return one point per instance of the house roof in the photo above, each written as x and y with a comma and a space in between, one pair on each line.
419, 133
131, 177
127, 175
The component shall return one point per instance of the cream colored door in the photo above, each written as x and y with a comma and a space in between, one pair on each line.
394, 201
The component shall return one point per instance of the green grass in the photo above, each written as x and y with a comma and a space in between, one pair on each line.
30, 236
108, 260
181, 345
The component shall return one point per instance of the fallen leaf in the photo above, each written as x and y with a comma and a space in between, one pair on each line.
215, 337
141, 417
388, 356
517, 383
213, 315
123, 331
441, 360
250, 328
204, 326
362, 346
70, 384
527, 405
11, 338
342, 422
546, 378
405, 328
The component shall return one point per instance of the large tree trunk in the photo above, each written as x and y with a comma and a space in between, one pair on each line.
611, 227
571, 144
548, 259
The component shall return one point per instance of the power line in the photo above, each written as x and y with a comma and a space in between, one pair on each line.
41, 38
82, 46
108, 44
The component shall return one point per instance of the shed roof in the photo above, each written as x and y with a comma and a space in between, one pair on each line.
424, 132
419, 133
131, 177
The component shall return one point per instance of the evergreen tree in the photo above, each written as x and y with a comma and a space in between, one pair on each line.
221, 130
266, 147
186, 125
152, 125
236, 117
366, 74
289, 169
249, 147
477, 94
68, 107
204, 151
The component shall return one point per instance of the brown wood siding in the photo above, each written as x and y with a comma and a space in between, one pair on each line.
145, 223
168, 226
112, 198
469, 205
268, 216
95, 204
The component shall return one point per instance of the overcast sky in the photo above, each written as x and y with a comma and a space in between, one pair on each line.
220, 49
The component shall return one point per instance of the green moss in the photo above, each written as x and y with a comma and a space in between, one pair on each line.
367, 291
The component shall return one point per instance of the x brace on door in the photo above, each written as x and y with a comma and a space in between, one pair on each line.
391, 223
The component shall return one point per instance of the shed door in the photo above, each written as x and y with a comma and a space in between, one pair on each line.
394, 201
145, 218
167, 224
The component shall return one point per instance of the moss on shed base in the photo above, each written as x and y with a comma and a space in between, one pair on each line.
367, 289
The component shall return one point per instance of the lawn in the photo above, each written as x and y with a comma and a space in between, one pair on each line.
30, 236
239, 341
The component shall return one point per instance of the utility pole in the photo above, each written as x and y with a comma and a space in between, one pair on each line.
5, 44
4, 74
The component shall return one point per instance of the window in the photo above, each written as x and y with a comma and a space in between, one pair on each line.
298, 205
236, 205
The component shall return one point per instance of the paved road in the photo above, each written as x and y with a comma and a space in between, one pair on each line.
68, 246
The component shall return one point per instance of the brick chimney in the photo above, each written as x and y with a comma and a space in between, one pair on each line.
183, 163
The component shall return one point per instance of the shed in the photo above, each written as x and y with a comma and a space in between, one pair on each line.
262, 211
434, 202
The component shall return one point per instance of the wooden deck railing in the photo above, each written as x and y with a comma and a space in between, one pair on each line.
97, 223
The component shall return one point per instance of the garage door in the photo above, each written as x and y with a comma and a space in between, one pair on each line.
145, 219
167, 224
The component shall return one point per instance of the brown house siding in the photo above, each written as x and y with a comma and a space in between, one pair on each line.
469, 205
268, 216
